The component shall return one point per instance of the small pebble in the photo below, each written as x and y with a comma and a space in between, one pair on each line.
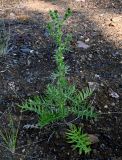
106, 106
113, 104
81, 44
31, 51
102, 85
90, 55
97, 76
93, 85
114, 95
87, 40
23, 150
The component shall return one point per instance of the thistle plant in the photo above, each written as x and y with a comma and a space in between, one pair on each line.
55, 27
79, 139
60, 98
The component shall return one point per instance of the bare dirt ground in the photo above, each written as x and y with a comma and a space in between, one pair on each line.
95, 60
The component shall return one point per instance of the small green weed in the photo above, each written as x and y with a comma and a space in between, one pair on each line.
9, 134
79, 139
